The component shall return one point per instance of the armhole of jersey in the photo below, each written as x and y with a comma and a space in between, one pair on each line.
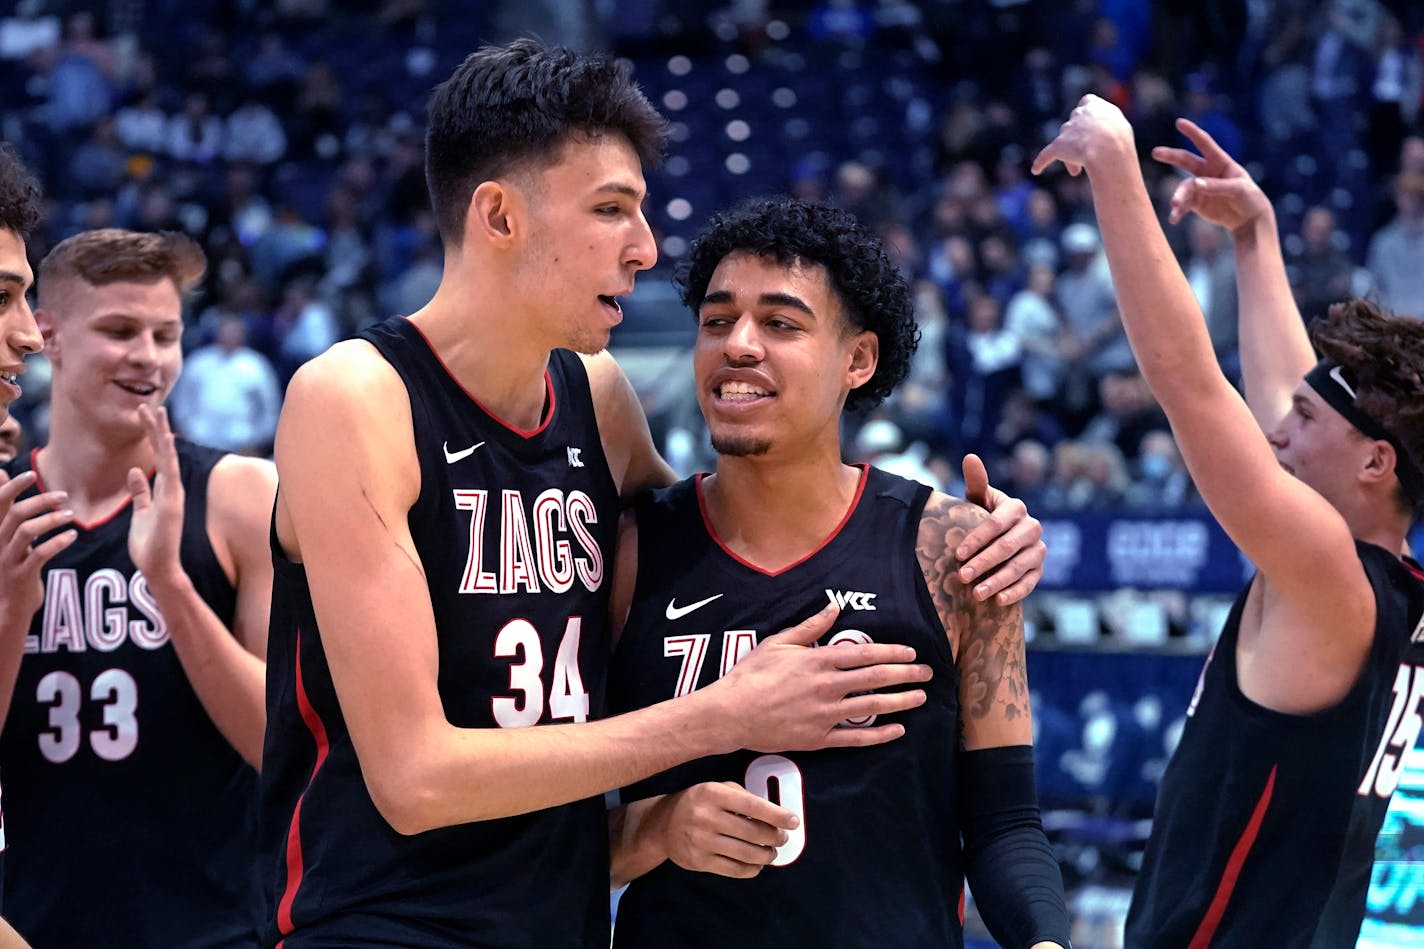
923, 597
574, 373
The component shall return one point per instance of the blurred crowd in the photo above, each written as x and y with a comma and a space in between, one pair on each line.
286, 135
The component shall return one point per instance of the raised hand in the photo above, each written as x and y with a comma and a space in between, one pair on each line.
156, 531
1219, 189
1007, 547
723, 828
21, 559
792, 696
1094, 128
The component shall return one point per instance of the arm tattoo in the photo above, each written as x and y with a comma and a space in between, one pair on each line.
987, 639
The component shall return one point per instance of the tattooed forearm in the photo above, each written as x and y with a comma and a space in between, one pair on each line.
987, 638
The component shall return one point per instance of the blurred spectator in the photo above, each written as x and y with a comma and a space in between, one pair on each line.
253, 133
1024, 419
80, 82
1032, 316
1396, 257
98, 165
1029, 473
1129, 412
1320, 273
984, 368
917, 400
1001, 275
1093, 342
306, 325
1211, 270
228, 396
1162, 480
1102, 481
881, 443
1396, 92
195, 134
274, 72
1340, 75
142, 126
316, 123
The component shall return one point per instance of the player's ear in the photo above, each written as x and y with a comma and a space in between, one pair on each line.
864, 357
45, 318
1379, 463
492, 208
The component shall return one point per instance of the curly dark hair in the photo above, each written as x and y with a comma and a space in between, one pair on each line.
510, 105
871, 289
19, 194
1384, 353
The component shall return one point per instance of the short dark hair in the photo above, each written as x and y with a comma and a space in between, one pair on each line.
505, 106
871, 289
110, 255
1384, 355
20, 199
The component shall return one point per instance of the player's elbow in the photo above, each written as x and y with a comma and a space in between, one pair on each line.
405, 798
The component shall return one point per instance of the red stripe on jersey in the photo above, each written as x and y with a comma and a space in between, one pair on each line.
294, 837
712, 531
1217, 909
1414, 569
961, 903
548, 389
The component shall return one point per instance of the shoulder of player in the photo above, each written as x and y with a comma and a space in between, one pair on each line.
349, 391
350, 371
943, 524
607, 382
241, 491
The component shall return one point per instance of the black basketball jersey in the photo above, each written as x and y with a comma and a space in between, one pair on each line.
876, 861
130, 819
1265, 819
515, 532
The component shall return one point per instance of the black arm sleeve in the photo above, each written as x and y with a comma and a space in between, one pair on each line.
1007, 859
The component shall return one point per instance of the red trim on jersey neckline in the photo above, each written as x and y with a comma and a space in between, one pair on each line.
92, 525
294, 838
1203, 936
712, 532
548, 388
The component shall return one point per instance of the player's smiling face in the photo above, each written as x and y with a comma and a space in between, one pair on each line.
19, 335
775, 357
115, 347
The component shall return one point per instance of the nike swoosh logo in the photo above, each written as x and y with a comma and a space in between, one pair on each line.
678, 612
1337, 373
453, 456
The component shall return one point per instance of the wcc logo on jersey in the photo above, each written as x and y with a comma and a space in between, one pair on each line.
849, 600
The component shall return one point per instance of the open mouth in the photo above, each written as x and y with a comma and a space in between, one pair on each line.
741, 392
137, 388
611, 303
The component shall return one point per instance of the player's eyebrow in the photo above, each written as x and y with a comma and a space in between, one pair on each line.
779, 298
